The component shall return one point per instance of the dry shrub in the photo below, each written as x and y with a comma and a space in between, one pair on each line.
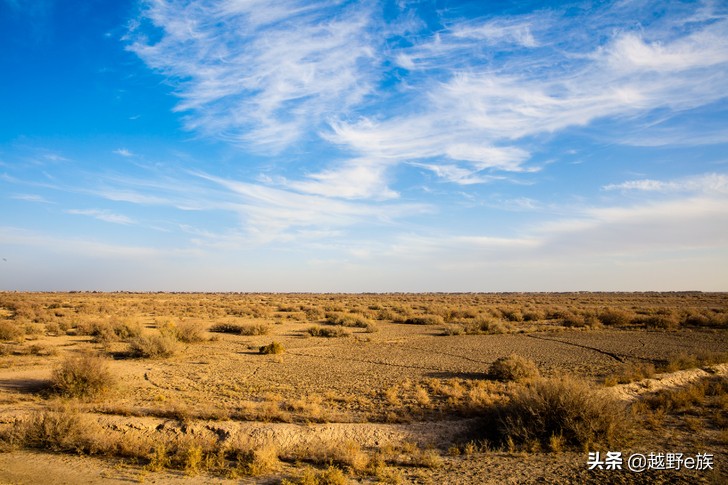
10, 331
512, 314
42, 350
391, 395
487, 325
513, 368
154, 346
191, 456
614, 317
386, 314
409, 453
328, 332
241, 329
630, 373
563, 411
422, 396
349, 453
572, 319
453, 329
52, 328
311, 476
259, 461
707, 319
58, 429
126, 329
159, 458
689, 361
347, 320
663, 321
272, 348
189, 332
109, 331
84, 376
686, 398
425, 320
389, 476
428, 458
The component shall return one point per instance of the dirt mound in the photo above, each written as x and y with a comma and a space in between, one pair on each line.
632, 391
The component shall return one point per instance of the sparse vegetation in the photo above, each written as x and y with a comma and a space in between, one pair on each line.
320, 413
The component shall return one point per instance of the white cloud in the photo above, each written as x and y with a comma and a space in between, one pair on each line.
260, 73
270, 76
357, 179
78, 246
102, 215
123, 152
705, 48
30, 198
271, 213
498, 31
706, 183
472, 112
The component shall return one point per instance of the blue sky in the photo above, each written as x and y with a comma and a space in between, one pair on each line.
246, 145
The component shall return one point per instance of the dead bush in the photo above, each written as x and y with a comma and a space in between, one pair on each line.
189, 332
311, 476
425, 320
487, 325
347, 320
630, 373
10, 331
241, 329
259, 461
272, 348
327, 332
614, 317
58, 429
513, 368
561, 410
153, 346
84, 376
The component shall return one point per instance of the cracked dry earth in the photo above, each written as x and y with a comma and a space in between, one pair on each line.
358, 387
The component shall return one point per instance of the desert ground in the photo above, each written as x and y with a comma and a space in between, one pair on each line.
368, 388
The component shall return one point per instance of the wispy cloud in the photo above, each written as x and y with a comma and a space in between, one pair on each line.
76, 245
312, 72
123, 152
711, 183
31, 198
271, 213
256, 73
102, 215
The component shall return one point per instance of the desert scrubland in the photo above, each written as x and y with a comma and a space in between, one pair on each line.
365, 388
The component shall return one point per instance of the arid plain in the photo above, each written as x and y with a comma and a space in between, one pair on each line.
369, 388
